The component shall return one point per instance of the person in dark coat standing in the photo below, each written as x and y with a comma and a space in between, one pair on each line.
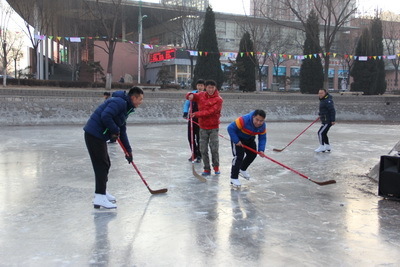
196, 129
327, 116
108, 122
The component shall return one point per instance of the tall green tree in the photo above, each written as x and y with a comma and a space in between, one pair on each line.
379, 82
246, 69
311, 70
368, 70
208, 65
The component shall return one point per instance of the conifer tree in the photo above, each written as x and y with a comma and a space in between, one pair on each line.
208, 65
311, 70
246, 71
361, 69
368, 72
379, 83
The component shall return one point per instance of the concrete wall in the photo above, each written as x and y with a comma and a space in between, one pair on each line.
38, 106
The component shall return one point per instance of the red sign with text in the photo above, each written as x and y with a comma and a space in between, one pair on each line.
162, 55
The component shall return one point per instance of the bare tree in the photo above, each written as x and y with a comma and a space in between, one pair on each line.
333, 15
186, 28
6, 38
16, 53
108, 15
37, 20
272, 43
391, 41
346, 45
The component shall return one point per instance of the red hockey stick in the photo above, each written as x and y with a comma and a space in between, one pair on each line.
283, 165
280, 150
160, 191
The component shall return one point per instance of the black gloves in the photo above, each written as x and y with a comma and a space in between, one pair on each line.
129, 157
114, 137
185, 115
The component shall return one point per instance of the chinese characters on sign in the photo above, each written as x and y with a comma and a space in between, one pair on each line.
162, 55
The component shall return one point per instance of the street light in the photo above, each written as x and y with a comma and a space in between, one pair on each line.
140, 42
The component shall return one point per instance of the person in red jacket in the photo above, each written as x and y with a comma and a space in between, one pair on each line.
209, 104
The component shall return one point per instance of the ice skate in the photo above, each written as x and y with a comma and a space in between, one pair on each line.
244, 174
327, 148
102, 201
217, 171
321, 148
111, 198
235, 183
206, 173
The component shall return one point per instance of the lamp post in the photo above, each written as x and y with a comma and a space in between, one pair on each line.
140, 42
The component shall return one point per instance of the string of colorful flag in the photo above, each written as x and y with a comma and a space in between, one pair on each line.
231, 54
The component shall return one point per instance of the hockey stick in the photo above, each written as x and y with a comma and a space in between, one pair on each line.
283, 165
198, 176
160, 191
280, 150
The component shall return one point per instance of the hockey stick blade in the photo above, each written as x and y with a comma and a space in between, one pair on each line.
198, 176
278, 150
323, 183
159, 191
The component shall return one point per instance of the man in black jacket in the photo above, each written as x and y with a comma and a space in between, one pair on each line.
327, 116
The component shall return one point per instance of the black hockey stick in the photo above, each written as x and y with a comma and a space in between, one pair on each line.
198, 176
160, 191
280, 150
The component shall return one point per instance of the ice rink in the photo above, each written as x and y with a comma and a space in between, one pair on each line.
278, 218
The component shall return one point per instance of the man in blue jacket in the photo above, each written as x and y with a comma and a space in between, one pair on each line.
108, 122
327, 116
243, 132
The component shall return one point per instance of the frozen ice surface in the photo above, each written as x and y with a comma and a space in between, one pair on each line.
277, 218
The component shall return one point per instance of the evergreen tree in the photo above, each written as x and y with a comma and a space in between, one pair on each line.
208, 65
311, 70
369, 73
361, 69
246, 70
379, 83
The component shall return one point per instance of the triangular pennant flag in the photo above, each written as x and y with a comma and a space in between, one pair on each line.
206, 53
200, 53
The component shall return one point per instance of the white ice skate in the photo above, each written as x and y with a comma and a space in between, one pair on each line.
235, 182
244, 174
327, 148
321, 148
111, 198
102, 201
